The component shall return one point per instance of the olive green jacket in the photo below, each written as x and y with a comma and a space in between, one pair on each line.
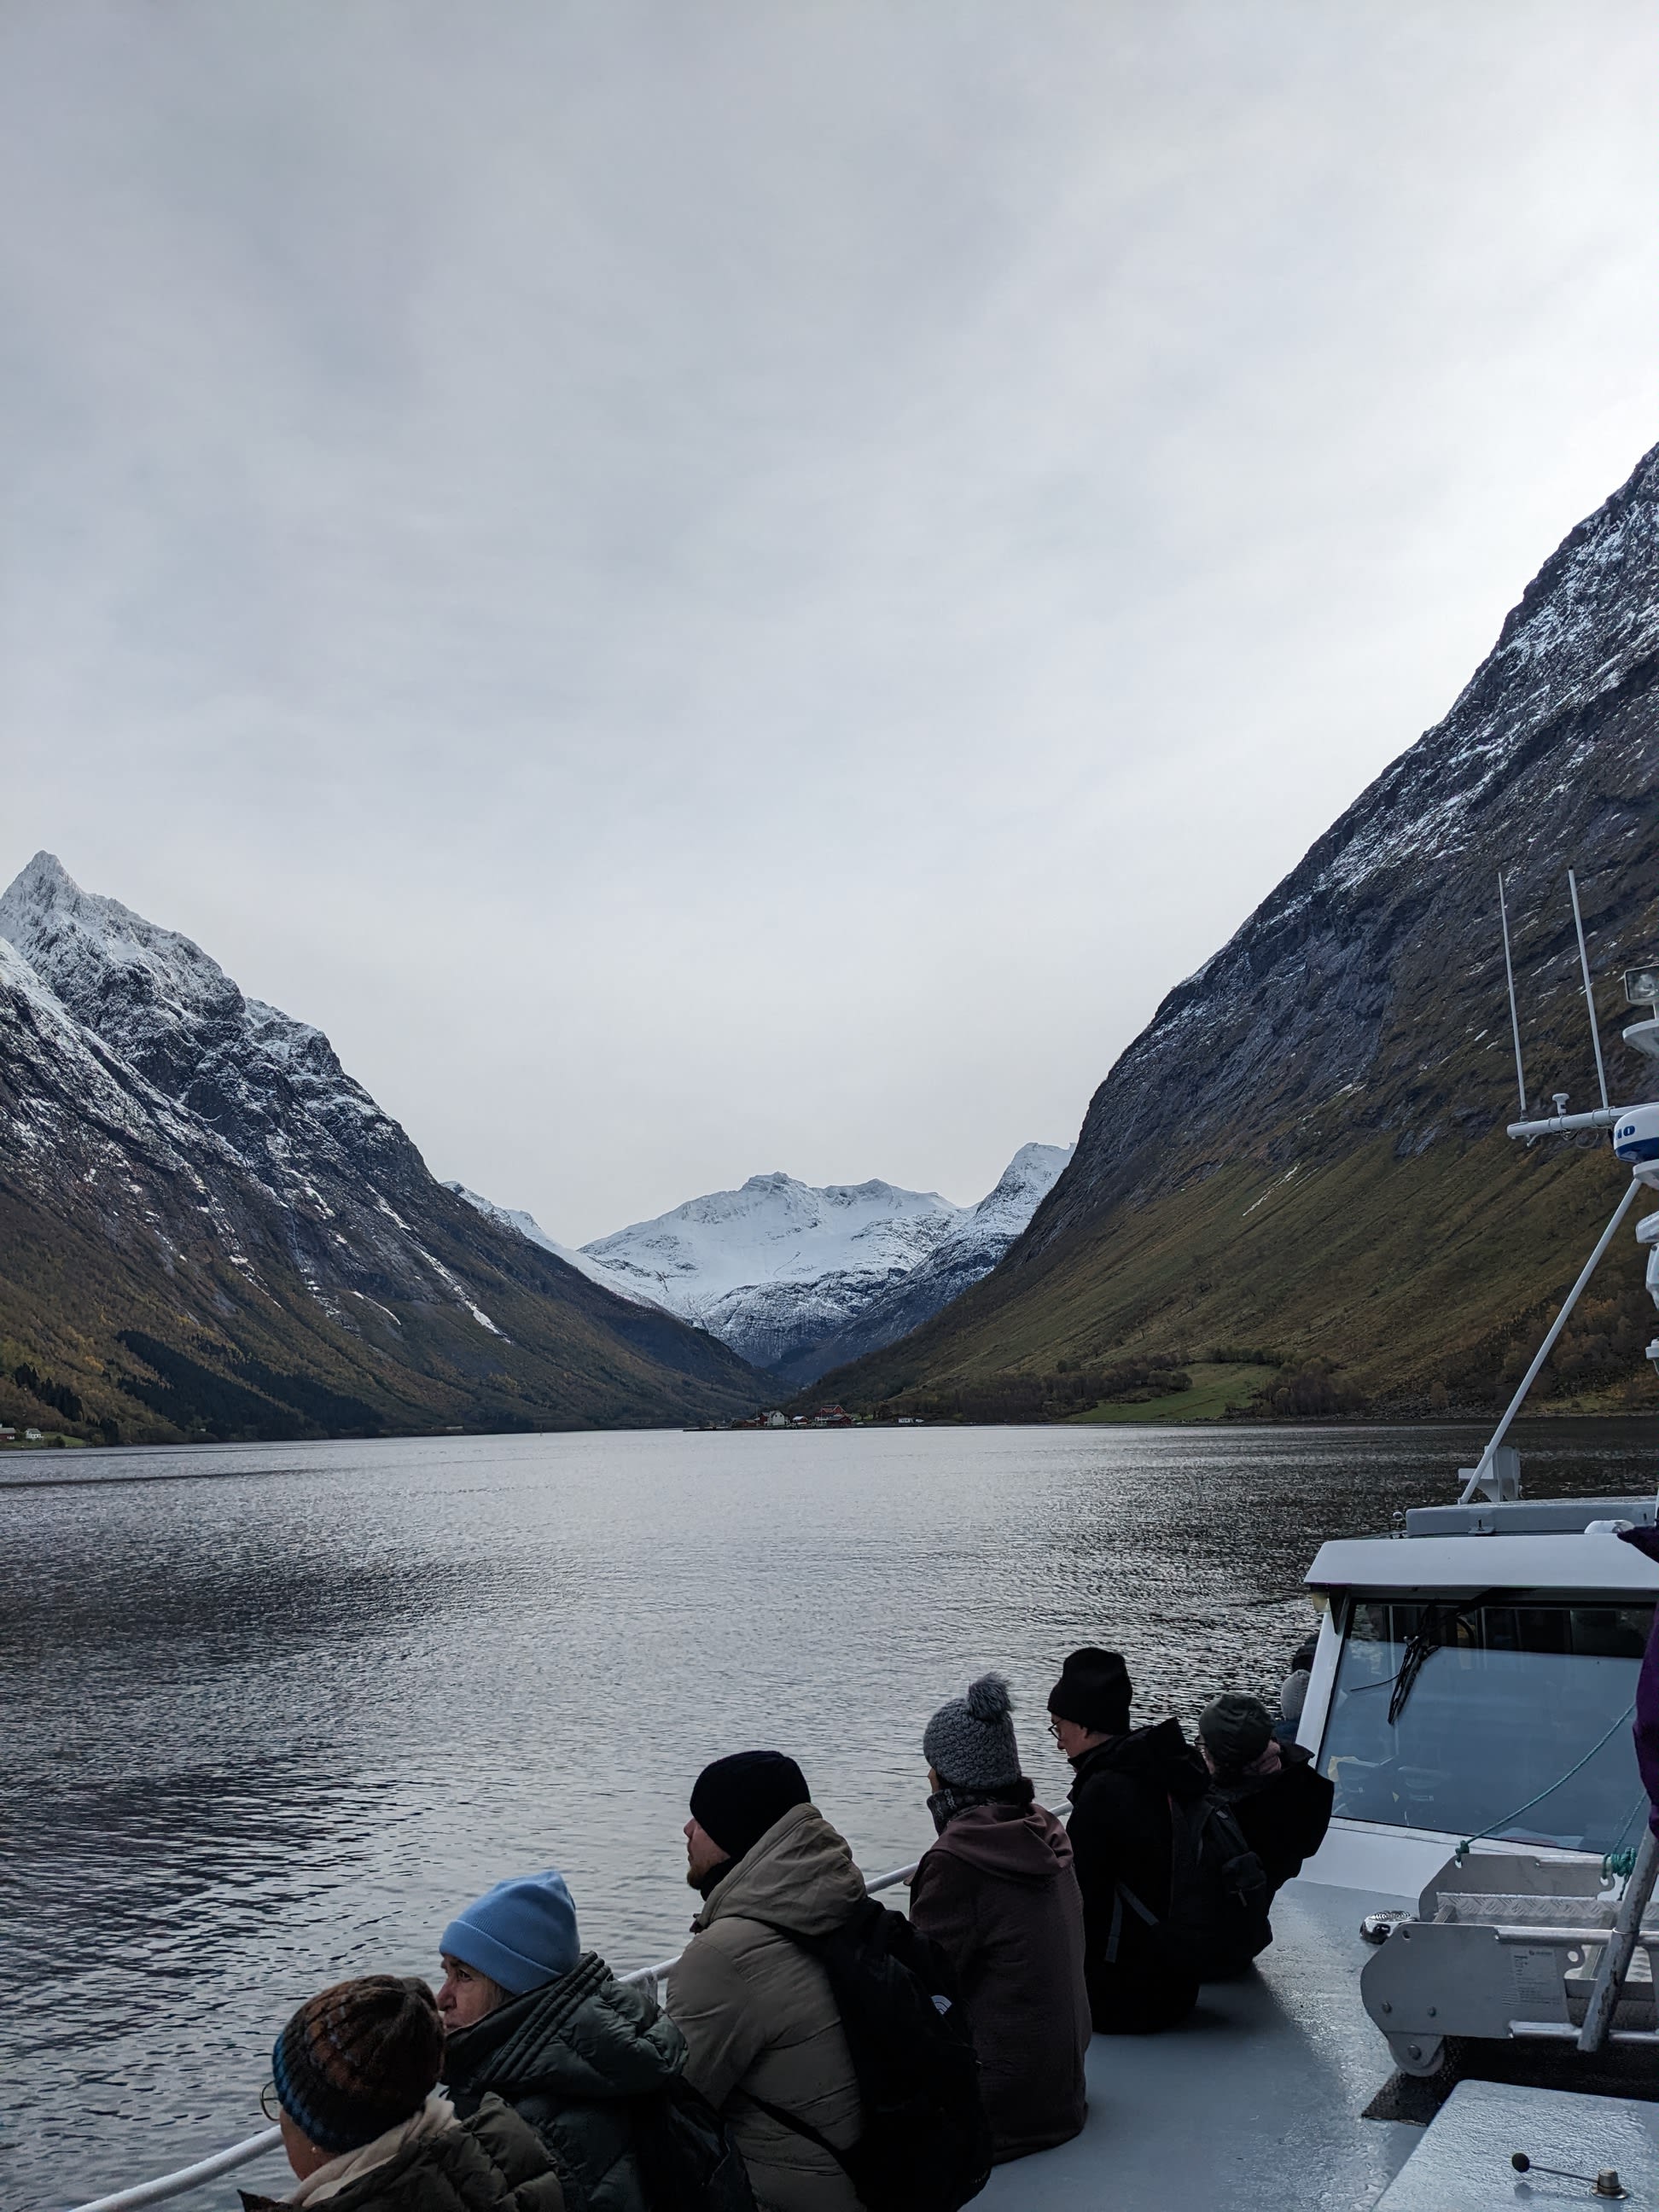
758, 2017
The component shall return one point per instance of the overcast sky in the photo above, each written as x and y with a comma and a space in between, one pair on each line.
716, 587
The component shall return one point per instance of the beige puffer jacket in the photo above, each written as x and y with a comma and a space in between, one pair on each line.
757, 2016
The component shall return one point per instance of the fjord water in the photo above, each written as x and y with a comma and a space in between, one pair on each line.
272, 1712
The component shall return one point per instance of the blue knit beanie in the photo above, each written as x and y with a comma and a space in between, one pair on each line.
521, 1933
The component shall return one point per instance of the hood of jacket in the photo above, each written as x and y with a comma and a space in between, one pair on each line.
585, 2037
800, 1877
1160, 1754
1016, 1843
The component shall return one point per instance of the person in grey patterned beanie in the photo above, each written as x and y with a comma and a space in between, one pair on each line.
999, 1894
970, 1750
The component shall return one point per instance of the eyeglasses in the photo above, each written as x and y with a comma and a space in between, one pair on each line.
269, 2104
1055, 1726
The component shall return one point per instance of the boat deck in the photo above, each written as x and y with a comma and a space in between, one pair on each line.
1254, 2101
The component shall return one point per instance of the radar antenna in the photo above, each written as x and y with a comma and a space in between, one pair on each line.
1589, 996
1508, 975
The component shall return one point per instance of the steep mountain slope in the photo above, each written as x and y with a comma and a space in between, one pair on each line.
1305, 1149
208, 1227
787, 1273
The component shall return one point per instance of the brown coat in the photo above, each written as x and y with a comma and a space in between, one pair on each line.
758, 2017
998, 1894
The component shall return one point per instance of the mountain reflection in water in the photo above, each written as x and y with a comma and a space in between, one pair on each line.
273, 1713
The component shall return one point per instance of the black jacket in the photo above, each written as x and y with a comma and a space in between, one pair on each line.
490, 2163
1284, 1816
576, 2058
1120, 1835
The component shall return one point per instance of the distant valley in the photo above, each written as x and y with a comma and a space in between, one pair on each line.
798, 1279
1292, 1193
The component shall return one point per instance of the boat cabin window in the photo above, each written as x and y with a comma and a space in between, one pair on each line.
1469, 1716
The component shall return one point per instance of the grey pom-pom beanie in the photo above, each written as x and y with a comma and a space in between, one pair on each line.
969, 1743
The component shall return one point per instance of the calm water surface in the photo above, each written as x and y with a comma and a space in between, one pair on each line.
272, 1713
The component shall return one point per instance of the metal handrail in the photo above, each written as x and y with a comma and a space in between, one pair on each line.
242, 2154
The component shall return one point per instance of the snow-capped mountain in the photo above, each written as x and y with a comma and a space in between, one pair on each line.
210, 1228
781, 1271
974, 1243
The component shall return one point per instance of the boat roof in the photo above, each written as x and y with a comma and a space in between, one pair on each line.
1568, 1545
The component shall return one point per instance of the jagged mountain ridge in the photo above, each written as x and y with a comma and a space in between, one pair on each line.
788, 1273
209, 1225
1305, 1147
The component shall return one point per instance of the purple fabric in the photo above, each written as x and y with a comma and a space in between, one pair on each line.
1646, 1730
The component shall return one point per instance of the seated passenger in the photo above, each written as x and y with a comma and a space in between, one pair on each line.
760, 2023
1279, 1800
998, 1894
549, 2027
354, 2080
1293, 1697
1140, 1975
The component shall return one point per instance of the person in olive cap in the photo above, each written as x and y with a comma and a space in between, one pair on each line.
587, 2059
354, 2081
1140, 1978
1280, 1800
759, 2021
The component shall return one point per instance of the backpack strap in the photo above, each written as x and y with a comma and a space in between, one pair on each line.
798, 2126
1123, 1895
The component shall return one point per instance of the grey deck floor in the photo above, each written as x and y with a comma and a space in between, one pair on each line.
1255, 2101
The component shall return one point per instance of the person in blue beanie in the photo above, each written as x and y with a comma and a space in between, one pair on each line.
545, 2026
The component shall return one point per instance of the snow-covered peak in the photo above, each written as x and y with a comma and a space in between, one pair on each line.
80, 940
779, 1268
526, 1225
172, 1013
774, 1230
1025, 1182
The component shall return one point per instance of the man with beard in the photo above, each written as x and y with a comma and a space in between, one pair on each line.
763, 2037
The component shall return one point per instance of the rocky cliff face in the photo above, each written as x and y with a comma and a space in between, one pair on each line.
1305, 1146
210, 1228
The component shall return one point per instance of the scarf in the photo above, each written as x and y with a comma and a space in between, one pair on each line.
946, 1803
432, 2117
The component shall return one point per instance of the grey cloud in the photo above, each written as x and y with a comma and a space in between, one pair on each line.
719, 586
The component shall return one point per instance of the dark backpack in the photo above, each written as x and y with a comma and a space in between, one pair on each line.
687, 2159
1219, 1894
926, 2146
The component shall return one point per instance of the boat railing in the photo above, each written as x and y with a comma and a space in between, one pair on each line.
243, 2154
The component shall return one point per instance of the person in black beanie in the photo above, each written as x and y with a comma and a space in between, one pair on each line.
733, 1803
759, 2020
1139, 1979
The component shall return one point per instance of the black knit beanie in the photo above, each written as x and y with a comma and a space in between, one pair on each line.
1235, 1729
358, 2058
738, 1799
1094, 1690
